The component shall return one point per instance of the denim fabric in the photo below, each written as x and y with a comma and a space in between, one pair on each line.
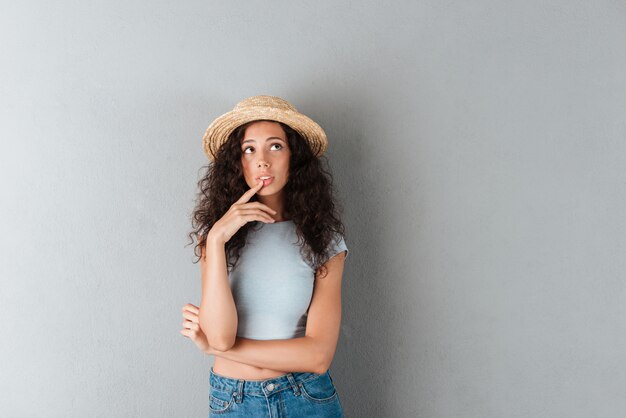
291, 395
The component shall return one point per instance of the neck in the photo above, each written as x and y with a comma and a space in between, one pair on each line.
275, 202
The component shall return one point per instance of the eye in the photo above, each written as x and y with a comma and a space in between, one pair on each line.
279, 145
246, 149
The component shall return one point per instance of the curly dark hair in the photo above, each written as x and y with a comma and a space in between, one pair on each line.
308, 199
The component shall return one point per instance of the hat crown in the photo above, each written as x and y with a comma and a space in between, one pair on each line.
265, 101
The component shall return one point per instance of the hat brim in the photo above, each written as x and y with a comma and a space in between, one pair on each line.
218, 131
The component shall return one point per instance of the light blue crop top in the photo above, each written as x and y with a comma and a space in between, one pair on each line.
272, 284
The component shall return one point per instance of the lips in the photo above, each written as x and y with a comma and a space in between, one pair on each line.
267, 179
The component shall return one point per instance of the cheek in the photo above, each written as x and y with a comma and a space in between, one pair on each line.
245, 167
286, 164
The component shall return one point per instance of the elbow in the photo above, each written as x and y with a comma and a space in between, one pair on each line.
222, 344
321, 368
217, 340
322, 355
323, 363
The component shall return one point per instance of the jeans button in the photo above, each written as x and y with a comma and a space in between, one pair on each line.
270, 387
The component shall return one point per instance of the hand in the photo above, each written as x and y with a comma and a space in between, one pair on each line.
191, 328
240, 213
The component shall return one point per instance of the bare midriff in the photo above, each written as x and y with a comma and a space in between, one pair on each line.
236, 370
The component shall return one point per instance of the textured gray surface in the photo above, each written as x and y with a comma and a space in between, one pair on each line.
478, 148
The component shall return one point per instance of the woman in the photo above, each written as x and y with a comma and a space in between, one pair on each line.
272, 253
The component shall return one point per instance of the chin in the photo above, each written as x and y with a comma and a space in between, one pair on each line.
269, 191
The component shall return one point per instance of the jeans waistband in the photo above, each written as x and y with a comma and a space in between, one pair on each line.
265, 387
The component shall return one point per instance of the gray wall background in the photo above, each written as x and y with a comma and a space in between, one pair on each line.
478, 149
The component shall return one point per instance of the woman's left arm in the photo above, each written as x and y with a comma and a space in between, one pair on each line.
315, 351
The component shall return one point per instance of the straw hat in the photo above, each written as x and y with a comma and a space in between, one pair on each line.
263, 107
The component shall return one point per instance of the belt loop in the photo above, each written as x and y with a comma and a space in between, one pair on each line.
239, 391
294, 385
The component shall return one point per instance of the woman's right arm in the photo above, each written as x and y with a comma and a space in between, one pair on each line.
218, 313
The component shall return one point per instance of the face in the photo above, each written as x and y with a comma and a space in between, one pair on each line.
265, 153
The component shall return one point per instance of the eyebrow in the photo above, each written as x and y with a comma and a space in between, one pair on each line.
271, 137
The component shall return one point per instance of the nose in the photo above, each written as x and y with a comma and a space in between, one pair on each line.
262, 163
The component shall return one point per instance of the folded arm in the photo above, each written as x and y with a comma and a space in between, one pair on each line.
218, 313
312, 353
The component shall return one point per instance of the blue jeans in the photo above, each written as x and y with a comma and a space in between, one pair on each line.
291, 395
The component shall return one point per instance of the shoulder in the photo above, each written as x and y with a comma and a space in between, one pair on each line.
337, 246
333, 266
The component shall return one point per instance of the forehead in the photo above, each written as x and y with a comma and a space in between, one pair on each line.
264, 129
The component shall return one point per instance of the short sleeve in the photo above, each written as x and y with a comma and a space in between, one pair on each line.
337, 246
